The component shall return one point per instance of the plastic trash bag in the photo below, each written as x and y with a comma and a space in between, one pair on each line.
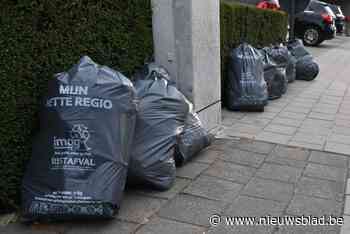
307, 69
297, 49
161, 117
279, 54
191, 140
80, 157
283, 58
275, 77
291, 69
246, 88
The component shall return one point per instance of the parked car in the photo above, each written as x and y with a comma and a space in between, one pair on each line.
316, 24
339, 18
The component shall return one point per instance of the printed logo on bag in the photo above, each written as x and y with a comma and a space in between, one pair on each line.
77, 96
79, 136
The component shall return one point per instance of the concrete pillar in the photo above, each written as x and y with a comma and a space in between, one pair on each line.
187, 43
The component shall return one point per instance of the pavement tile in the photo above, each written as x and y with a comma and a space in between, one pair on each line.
308, 230
325, 172
102, 227
191, 170
254, 120
302, 110
343, 116
159, 226
320, 188
137, 208
291, 115
214, 188
178, 187
246, 128
286, 122
342, 122
302, 104
207, 156
245, 206
269, 189
273, 137
245, 158
294, 153
309, 138
279, 172
338, 138
341, 130
321, 116
334, 160
317, 207
310, 123
230, 171
281, 129
315, 131
191, 209
271, 109
337, 148
255, 146
305, 145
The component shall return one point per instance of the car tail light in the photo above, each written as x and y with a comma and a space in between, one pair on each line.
328, 19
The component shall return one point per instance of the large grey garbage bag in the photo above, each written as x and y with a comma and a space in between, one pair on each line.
246, 88
191, 140
80, 157
283, 58
279, 54
297, 49
280, 57
161, 117
275, 77
306, 68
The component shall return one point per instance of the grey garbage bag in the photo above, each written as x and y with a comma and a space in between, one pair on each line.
291, 69
191, 140
246, 88
279, 54
283, 58
161, 116
297, 49
80, 157
275, 77
307, 69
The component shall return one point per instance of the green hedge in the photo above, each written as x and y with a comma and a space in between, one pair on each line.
41, 37
255, 26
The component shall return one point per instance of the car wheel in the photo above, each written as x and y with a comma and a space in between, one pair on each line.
312, 36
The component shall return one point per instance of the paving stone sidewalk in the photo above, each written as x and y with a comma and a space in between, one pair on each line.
234, 177
314, 115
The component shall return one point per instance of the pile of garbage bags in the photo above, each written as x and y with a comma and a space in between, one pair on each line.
99, 132
256, 76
